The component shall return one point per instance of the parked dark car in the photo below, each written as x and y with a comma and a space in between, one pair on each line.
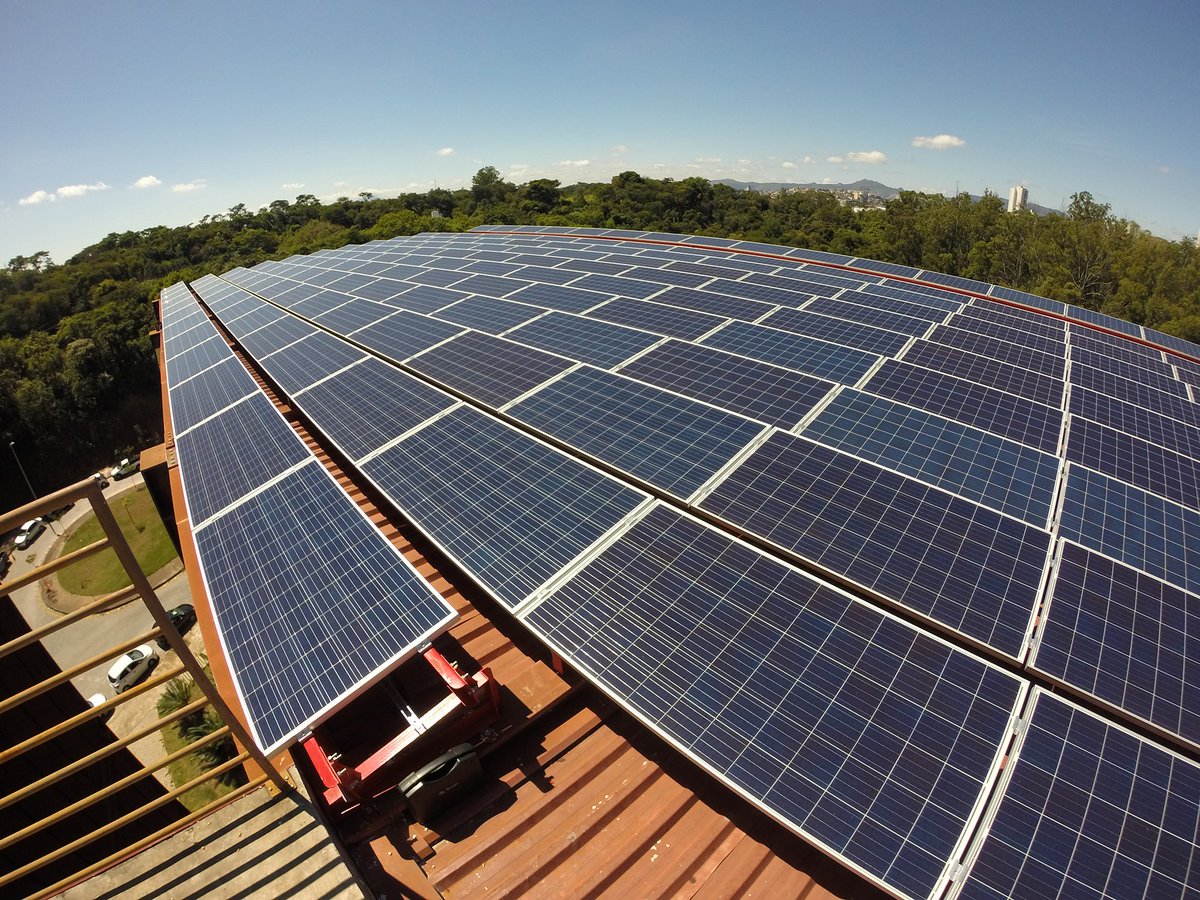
183, 617
5, 564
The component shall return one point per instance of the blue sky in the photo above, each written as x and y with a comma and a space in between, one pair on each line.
125, 115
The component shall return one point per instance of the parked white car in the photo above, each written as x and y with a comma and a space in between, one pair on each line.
129, 669
29, 533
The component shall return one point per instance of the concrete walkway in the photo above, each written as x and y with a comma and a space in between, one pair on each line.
257, 846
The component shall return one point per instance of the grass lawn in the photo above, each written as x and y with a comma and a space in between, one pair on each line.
188, 767
102, 573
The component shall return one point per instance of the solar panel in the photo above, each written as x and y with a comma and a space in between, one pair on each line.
661, 275
671, 442
961, 330
1135, 373
983, 467
1007, 293
489, 369
557, 296
509, 510
1033, 424
839, 331
235, 453
197, 358
278, 334
869, 315
1173, 433
794, 351
871, 739
1121, 388
312, 602
960, 564
1049, 362
1140, 529
1119, 348
306, 362
354, 314
1125, 638
758, 390
210, 391
1089, 809
655, 317
1135, 461
488, 315
902, 303
717, 304
587, 340
321, 303
987, 371
404, 334
1032, 323
1104, 321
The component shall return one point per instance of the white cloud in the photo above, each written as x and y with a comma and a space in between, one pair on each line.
788, 164
446, 151
78, 190
835, 159
292, 186
575, 163
708, 159
1164, 170
197, 184
938, 142
341, 184
146, 181
871, 157
617, 148
35, 198
808, 160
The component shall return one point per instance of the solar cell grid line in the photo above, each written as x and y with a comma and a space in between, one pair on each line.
307, 361
508, 509
880, 297
1140, 529
1124, 638
871, 739
560, 297
1007, 293
1023, 320
354, 314
986, 371
1162, 397
197, 358
227, 457
1033, 424
988, 469
404, 334
966, 567
647, 315
1087, 809
1105, 321
278, 334
837, 331
488, 314
366, 406
489, 369
1164, 430
602, 344
1051, 365
1135, 461
305, 628
213, 389
673, 443
793, 351
1099, 342
715, 303
794, 284
854, 311
758, 390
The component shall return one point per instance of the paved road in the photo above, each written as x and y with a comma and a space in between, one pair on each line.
95, 634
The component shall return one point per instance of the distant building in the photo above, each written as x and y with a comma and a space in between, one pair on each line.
1018, 198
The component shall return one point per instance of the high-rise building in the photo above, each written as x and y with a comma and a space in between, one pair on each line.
1018, 197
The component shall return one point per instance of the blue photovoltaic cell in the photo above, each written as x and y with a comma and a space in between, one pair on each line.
795, 283
670, 442
1052, 364
649, 316
1120, 348
972, 404
986, 371
839, 331
440, 277
1172, 342
1122, 388
1089, 810
923, 295
380, 289
794, 351
546, 276
298, 365
874, 265
312, 602
846, 280
790, 295
963, 565
209, 392
664, 276
404, 334
1135, 461
278, 334
1034, 324
349, 284
510, 510
1005, 329
354, 314
488, 314
1105, 321
240, 450
1140, 529
197, 358
370, 404
587, 340
717, 304
1125, 638
869, 315
490, 369
759, 390
557, 296
1136, 373
900, 302
580, 262
322, 303
1174, 433
254, 317
426, 299
189, 331
1016, 296
621, 287
488, 285
983, 467
866, 736
967, 284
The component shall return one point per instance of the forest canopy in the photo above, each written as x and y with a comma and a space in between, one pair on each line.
79, 384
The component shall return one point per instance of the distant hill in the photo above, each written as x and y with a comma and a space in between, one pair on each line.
863, 184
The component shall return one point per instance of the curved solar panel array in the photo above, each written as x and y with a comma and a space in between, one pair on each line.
831, 526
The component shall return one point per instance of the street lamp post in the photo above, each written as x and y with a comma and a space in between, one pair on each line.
12, 445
